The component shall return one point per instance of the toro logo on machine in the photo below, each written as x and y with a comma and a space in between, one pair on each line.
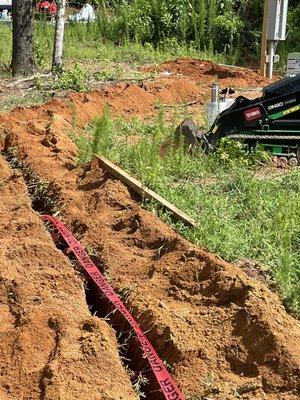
252, 114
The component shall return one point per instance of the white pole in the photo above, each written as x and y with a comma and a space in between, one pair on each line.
59, 36
271, 55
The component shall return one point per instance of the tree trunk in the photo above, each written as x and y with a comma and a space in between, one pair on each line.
59, 36
23, 62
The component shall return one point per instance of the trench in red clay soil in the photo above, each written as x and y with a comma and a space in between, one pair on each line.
128, 345
129, 348
221, 332
45, 200
262, 368
50, 345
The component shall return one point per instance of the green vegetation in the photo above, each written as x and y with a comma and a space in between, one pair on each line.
242, 210
75, 79
232, 27
153, 31
101, 58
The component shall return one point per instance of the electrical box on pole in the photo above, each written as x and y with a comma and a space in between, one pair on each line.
274, 30
277, 19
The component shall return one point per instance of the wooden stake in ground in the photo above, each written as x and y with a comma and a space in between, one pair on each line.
23, 62
143, 191
264, 40
59, 36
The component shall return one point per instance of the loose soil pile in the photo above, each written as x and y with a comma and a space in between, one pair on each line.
223, 333
193, 85
209, 72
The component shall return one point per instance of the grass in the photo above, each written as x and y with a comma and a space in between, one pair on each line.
89, 59
242, 211
84, 46
26, 99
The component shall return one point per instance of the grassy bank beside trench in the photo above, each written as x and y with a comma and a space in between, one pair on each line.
243, 210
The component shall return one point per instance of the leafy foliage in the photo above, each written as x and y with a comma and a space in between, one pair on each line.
226, 30
75, 79
231, 151
230, 26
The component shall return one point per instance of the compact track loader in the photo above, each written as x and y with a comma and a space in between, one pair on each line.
273, 121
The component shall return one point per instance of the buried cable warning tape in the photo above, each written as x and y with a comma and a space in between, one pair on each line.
164, 379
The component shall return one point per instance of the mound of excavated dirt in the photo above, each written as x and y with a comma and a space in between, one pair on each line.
123, 99
208, 71
222, 332
142, 99
51, 347
193, 85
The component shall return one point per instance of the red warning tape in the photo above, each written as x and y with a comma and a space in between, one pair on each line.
166, 382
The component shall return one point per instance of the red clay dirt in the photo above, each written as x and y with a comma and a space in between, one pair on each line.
143, 99
223, 333
51, 347
209, 72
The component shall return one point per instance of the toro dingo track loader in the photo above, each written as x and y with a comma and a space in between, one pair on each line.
273, 121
